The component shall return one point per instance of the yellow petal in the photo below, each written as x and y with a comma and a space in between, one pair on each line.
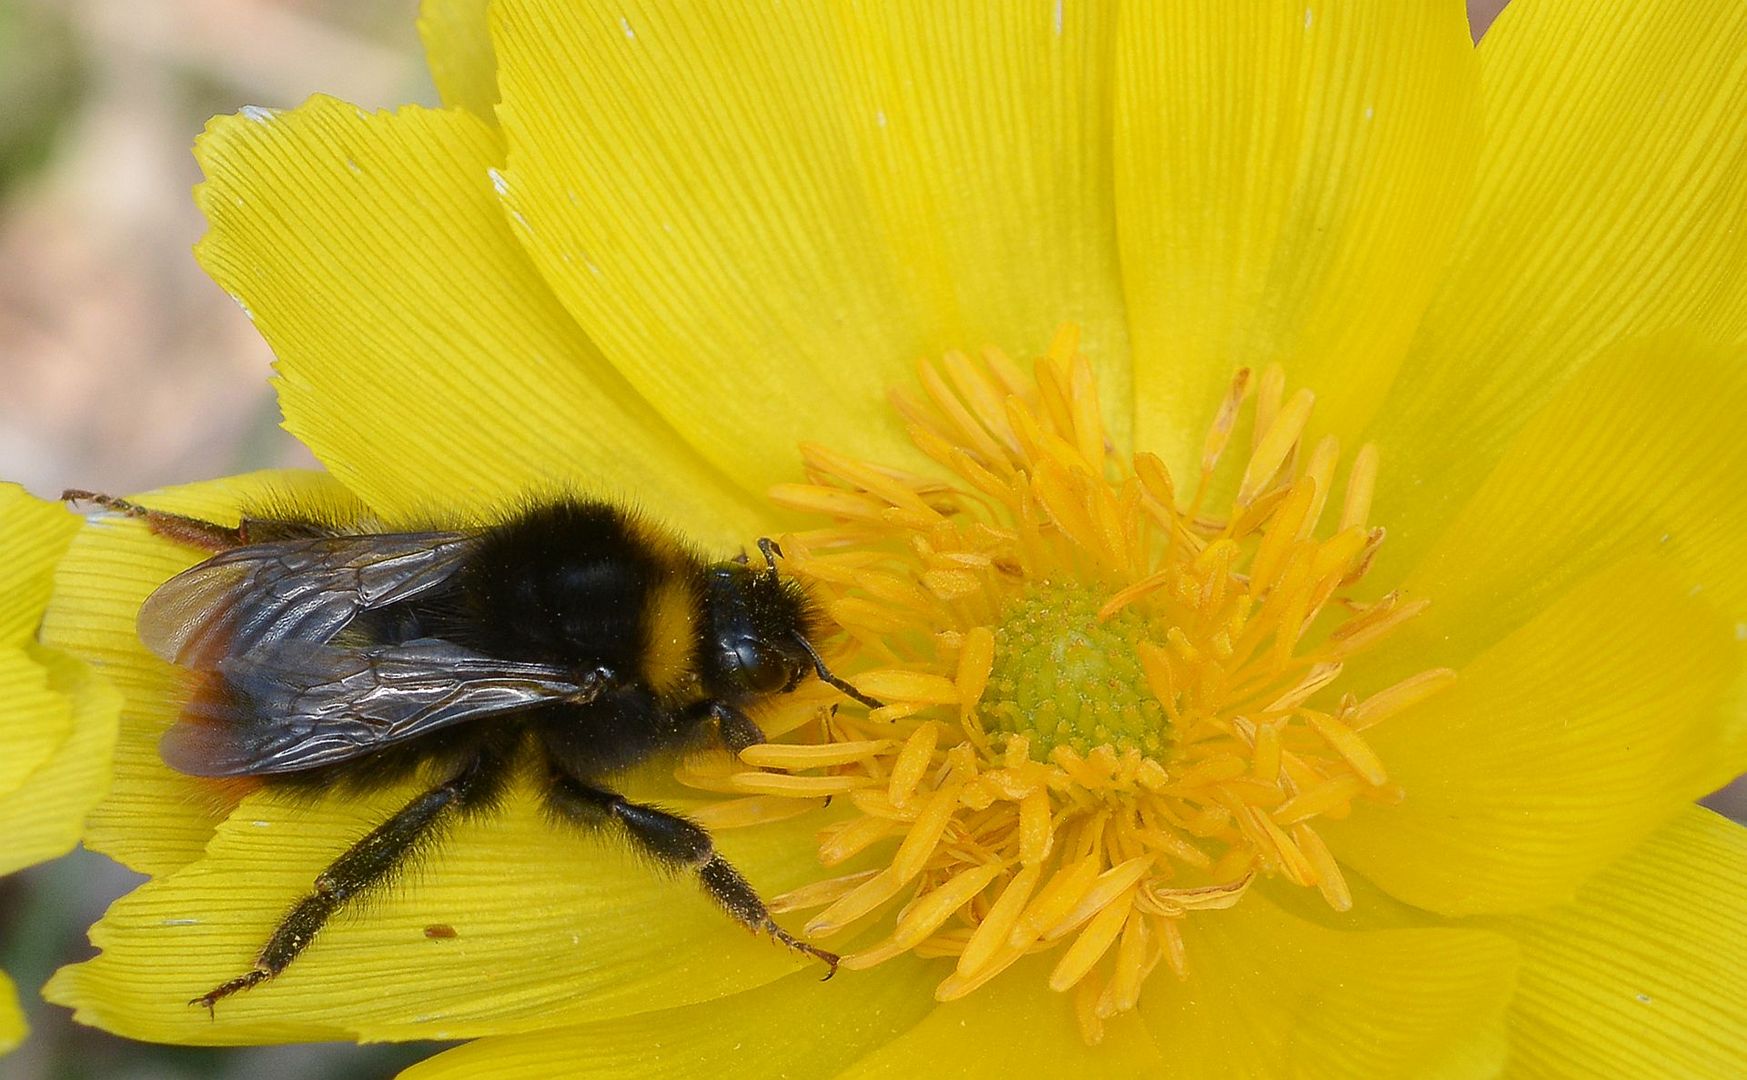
549, 928
35, 533
793, 1027
57, 719
1288, 176
724, 252
1270, 994
989, 158
1480, 1054
12, 1029
153, 820
1013, 1026
34, 720
1645, 975
42, 817
420, 356
765, 216
1608, 203
1638, 456
458, 51
1557, 750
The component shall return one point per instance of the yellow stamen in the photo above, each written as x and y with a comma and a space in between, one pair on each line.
820, 893
1402, 696
1086, 1016
855, 837
805, 756
1361, 481
934, 908
990, 937
1123, 993
1112, 883
804, 787
1270, 453
1035, 835
857, 902
956, 986
1329, 878
754, 810
912, 762
1090, 946
929, 827
1064, 892
912, 686
1109, 702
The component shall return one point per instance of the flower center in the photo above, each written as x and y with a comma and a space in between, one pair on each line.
1110, 700
1063, 677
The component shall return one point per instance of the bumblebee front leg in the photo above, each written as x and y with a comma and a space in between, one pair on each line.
178, 527
366, 865
738, 731
677, 844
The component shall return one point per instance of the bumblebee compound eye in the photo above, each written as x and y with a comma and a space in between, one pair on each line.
757, 668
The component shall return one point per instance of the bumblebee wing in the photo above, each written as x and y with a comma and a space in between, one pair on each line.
299, 705
289, 590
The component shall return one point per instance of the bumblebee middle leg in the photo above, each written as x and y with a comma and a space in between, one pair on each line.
677, 844
366, 865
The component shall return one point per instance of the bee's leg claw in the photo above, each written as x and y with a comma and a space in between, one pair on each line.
830, 958
212, 997
782, 936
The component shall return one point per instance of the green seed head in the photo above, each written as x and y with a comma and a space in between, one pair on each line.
1062, 678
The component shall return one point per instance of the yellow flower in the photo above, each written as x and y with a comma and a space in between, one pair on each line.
57, 719
1439, 612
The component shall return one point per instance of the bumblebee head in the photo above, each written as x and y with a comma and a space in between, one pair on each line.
760, 627
756, 625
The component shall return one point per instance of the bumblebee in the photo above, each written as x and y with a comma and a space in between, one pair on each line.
572, 640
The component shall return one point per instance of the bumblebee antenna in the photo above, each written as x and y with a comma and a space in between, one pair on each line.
826, 677
772, 551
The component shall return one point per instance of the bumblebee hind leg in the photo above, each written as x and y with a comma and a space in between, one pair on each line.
677, 844
181, 528
367, 865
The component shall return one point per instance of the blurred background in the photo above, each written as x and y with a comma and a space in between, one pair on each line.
123, 368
